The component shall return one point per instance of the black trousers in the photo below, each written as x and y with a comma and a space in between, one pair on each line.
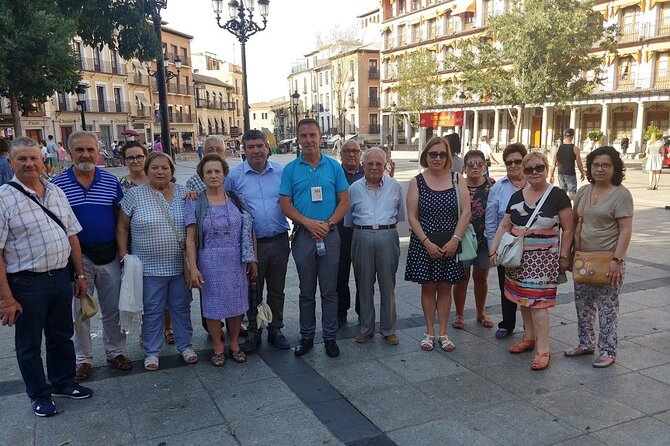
508, 307
343, 271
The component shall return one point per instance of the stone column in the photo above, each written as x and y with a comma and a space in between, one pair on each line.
604, 123
496, 127
543, 131
638, 131
475, 131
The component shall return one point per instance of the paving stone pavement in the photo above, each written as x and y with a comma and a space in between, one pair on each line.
376, 394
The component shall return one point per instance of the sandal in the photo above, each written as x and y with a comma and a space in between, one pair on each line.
168, 335
120, 362
578, 351
428, 342
446, 343
238, 356
540, 361
523, 345
458, 322
189, 356
151, 363
486, 321
218, 360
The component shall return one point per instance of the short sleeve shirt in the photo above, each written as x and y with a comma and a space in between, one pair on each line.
299, 178
600, 229
547, 217
152, 237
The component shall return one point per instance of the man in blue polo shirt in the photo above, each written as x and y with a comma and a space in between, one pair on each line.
314, 194
258, 179
94, 196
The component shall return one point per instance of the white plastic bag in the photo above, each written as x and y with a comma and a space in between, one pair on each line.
131, 307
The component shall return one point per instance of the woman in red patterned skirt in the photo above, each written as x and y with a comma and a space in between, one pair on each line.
533, 284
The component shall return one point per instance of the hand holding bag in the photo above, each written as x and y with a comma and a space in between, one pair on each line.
469, 243
589, 267
510, 249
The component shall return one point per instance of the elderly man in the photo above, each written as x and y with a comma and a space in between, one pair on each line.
37, 236
353, 171
258, 180
376, 206
314, 194
213, 144
94, 195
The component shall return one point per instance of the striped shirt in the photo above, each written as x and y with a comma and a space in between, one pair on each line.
94, 207
31, 240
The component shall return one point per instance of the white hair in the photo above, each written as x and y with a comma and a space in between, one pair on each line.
371, 150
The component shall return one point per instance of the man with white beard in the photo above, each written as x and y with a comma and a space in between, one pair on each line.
94, 196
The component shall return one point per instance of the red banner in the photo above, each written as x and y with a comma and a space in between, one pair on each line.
442, 119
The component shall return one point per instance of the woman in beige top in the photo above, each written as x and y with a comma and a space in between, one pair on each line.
607, 210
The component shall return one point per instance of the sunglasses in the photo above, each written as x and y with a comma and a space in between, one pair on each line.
474, 164
529, 170
515, 162
434, 155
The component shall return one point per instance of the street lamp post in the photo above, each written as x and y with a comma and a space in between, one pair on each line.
395, 126
295, 98
81, 102
242, 26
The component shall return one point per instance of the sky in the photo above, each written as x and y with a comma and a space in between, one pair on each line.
290, 34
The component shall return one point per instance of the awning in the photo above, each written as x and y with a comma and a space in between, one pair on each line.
659, 47
284, 141
140, 68
332, 139
462, 6
622, 4
142, 98
351, 136
634, 52
652, 3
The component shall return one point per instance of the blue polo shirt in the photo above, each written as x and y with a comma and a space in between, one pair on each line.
298, 179
95, 208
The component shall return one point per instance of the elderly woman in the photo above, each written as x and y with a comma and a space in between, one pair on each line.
496, 205
606, 209
436, 231
220, 250
478, 187
153, 214
533, 284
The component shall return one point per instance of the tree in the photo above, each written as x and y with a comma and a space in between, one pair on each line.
341, 80
418, 84
540, 51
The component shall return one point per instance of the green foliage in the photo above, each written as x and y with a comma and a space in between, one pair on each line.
595, 135
418, 83
537, 53
651, 130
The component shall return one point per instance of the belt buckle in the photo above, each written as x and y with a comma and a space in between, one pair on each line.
50, 273
375, 226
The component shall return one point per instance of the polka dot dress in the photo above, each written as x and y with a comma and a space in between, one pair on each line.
438, 211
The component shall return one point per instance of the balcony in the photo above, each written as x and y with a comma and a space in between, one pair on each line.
143, 112
107, 107
630, 33
373, 102
138, 79
182, 118
663, 29
661, 83
373, 73
185, 60
373, 129
101, 66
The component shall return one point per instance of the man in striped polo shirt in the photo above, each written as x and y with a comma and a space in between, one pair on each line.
94, 196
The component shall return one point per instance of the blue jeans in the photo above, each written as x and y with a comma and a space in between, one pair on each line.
160, 292
567, 182
47, 307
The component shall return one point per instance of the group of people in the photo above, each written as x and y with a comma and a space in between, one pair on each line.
226, 232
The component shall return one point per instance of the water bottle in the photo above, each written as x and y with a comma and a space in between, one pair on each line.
320, 248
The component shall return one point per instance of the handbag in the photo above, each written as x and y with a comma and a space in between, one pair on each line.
468, 245
442, 238
589, 267
510, 249
182, 244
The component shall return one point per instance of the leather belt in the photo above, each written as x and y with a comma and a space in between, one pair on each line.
49, 273
271, 238
375, 227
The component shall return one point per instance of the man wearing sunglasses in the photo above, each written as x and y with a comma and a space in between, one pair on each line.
565, 157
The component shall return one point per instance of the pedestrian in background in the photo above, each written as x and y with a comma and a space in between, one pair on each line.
605, 208
436, 231
6, 172
565, 158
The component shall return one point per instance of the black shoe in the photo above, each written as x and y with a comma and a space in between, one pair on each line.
278, 339
252, 341
304, 346
342, 321
332, 349
76, 392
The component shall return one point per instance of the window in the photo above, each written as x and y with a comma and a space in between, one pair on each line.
100, 92
184, 56
664, 20
401, 6
402, 38
661, 75
388, 40
622, 124
590, 122
416, 4
352, 69
97, 59
416, 33
321, 79
628, 27
488, 11
468, 20
173, 51
327, 103
432, 28
373, 94
627, 70
115, 61
253, 116
117, 100
327, 76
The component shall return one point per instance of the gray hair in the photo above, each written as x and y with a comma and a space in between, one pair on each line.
371, 150
350, 142
214, 138
81, 134
23, 141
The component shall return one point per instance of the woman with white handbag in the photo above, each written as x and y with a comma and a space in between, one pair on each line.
535, 216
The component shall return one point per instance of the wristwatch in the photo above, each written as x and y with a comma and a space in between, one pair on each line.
331, 225
618, 260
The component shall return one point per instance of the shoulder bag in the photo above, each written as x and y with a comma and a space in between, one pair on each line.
182, 244
469, 242
589, 267
510, 249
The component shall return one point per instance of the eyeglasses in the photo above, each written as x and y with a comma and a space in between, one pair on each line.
529, 170
515, 162
603, 166
434, 155
351, 152
135, 159
474, 164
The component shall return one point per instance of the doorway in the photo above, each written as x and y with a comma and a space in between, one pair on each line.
536, 131
34, 134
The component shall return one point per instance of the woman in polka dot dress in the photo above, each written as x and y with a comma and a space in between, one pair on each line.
432, 208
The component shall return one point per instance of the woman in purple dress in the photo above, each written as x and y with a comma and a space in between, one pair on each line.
220, 249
